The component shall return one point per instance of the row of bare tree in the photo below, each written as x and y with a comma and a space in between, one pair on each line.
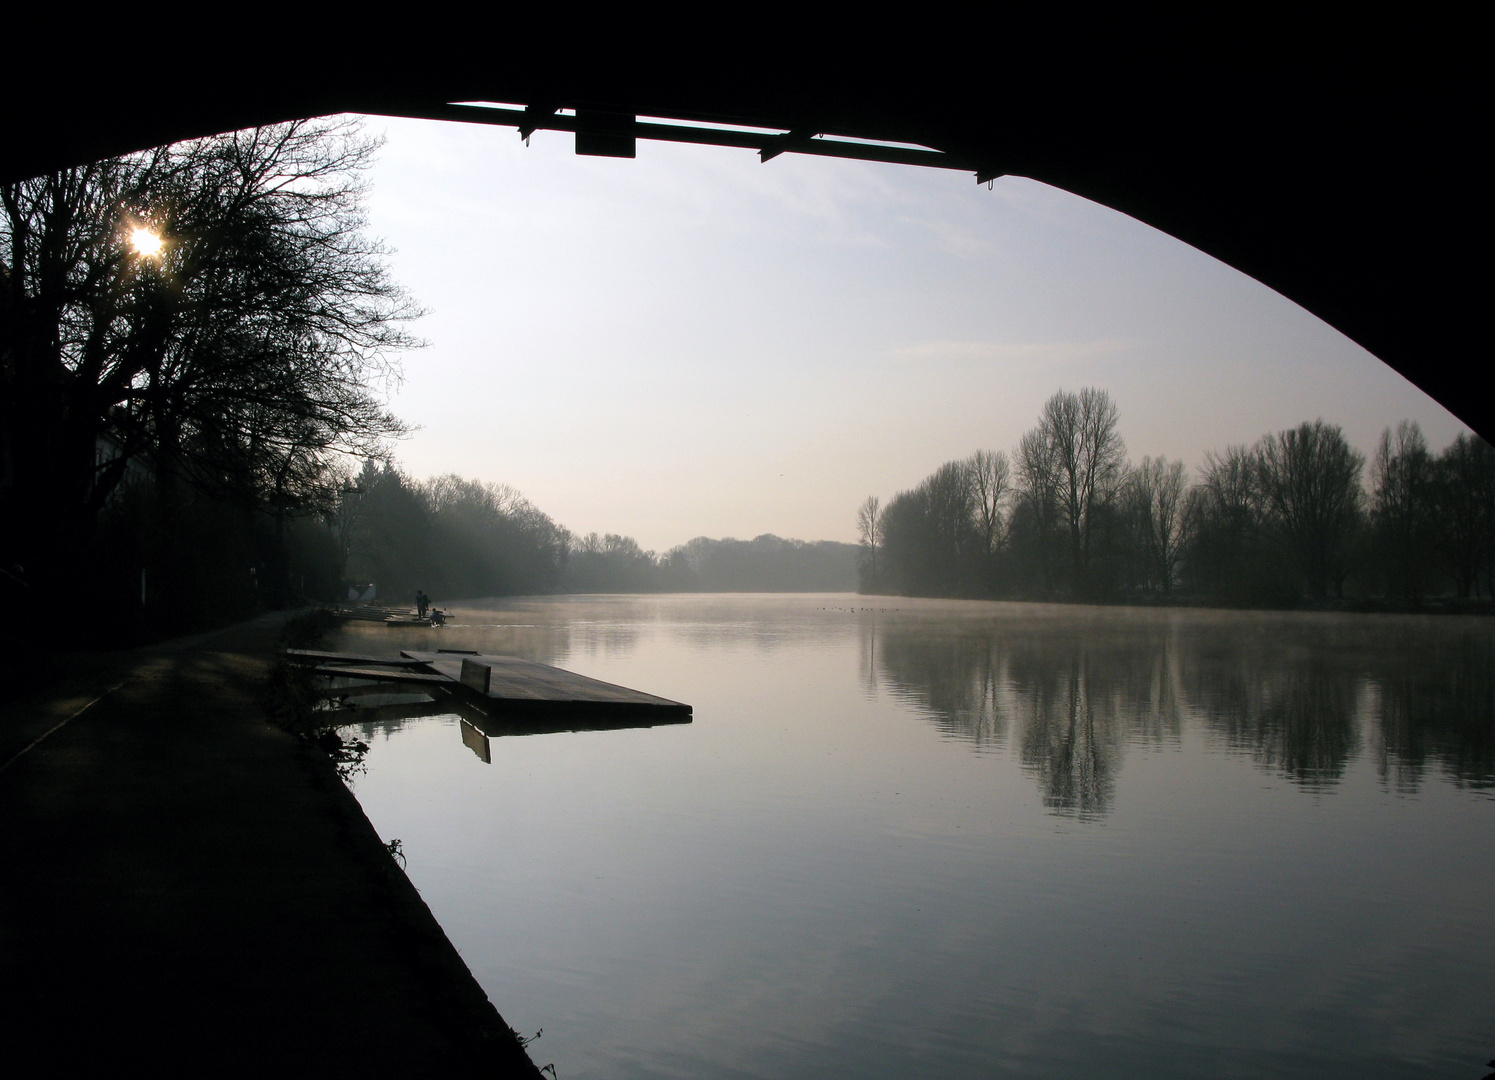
1066, 515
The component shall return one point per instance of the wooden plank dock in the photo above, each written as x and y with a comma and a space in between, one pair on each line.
510, 686
516, 694
361, 666
387, 674
315, 655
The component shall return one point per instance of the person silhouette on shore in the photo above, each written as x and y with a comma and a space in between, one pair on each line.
422, 602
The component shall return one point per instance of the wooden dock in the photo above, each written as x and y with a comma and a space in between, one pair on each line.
530, 695
510, 686
359, 666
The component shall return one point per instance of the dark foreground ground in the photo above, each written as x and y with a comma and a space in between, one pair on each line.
184, 888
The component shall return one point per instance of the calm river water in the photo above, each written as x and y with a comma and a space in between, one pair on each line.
909, 838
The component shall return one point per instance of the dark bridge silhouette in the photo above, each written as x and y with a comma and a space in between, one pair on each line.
1347, 188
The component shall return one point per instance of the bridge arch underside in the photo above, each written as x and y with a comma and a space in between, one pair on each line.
1353, 198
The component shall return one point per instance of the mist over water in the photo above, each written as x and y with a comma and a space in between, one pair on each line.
945, 838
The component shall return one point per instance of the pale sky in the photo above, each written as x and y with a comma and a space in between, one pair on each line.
694, 343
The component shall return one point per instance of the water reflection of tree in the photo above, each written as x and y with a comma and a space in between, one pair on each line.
1296, 692
954, 679
1443, 711
1299, 694
1296, 714
1087, 696
1069, 743
1075, 698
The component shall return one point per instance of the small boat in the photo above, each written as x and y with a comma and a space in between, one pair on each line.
436, 617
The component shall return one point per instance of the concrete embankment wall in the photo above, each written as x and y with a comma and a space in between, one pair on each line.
188, 887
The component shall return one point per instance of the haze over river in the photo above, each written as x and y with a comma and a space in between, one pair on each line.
920, 838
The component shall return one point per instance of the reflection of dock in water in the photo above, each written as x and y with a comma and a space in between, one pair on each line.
496, 695
475, 739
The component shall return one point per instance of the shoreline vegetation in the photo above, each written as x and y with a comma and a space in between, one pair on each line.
1371, 605
198, 343
1296, 521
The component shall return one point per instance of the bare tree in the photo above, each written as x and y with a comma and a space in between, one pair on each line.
1157, 495
1401, 508
869, 529
1466, 510
1228, 489
929, 536
1090, 460
1310, 484
1037, 503
990, 478
1225, 525
950, 506
1038, 474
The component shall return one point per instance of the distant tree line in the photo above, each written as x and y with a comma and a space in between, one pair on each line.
766, 563
462, 538
1288, 520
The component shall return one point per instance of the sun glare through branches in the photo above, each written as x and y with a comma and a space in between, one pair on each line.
146, 243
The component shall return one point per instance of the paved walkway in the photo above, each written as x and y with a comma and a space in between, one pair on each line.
184, 887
